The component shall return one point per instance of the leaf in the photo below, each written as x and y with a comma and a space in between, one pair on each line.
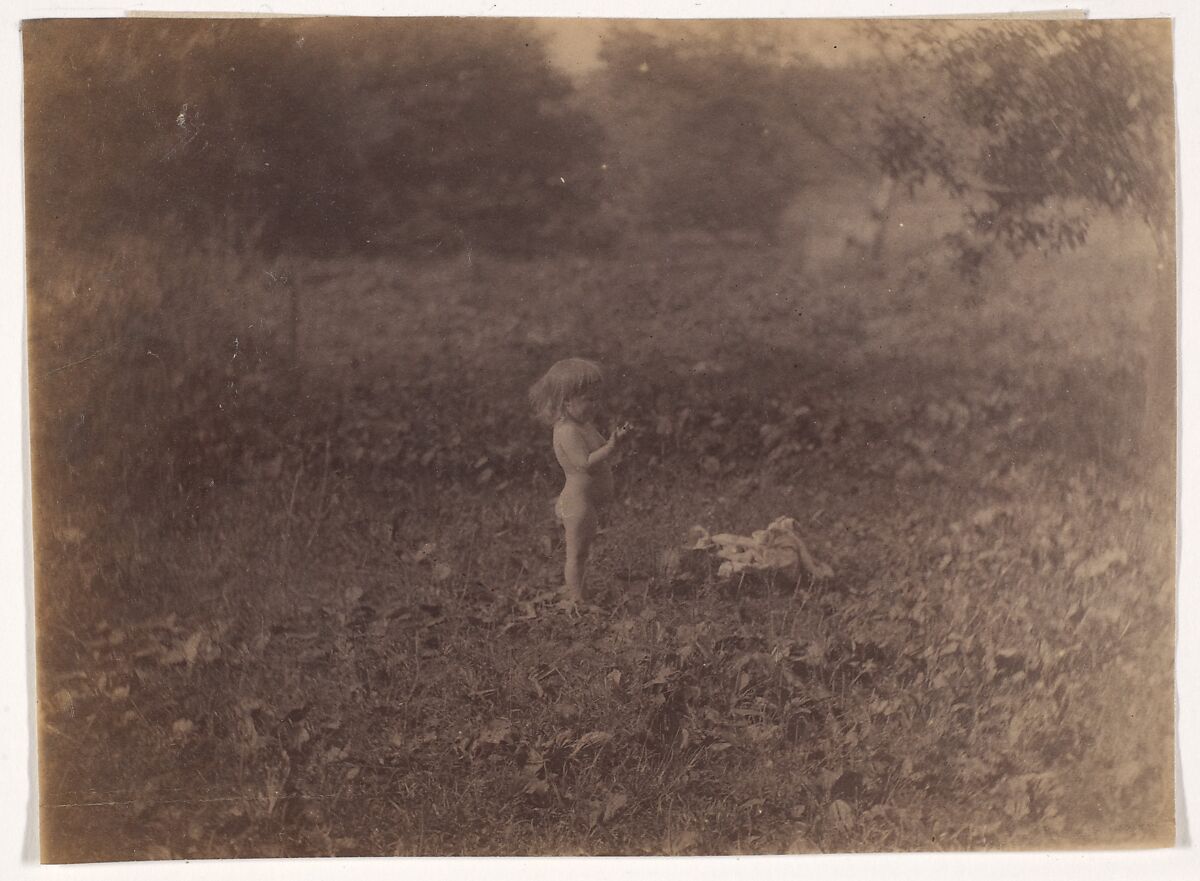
815, 652
670, 562
495, 732
841, 815
1017, 804
441, 572
615, 803
191, 648
1128, 772
183, 727
273, 468
985, 517
680, 843
849, 785
71, 535
752, 805
661, 676
536, 788
1016, 728
592, 738
383, 531
1094, 567
64, 700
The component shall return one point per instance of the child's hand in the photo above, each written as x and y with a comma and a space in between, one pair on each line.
620, 431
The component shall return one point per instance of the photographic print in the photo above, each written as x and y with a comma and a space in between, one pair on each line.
597, 437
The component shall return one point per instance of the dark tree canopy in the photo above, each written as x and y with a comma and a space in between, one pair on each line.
1034, 126
321, 135
433, 136
701, 141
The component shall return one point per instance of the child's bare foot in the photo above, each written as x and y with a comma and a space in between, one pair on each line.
570, 600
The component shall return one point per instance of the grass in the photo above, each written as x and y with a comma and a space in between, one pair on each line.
326, 632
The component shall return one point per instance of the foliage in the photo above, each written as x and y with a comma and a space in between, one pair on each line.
311, 135
698, 136
331, 623
350, 673
1034, 126
467, 127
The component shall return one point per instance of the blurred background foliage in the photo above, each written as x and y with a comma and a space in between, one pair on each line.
320, 136
328, 136
198, 190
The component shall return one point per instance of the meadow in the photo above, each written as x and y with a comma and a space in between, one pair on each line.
324, 623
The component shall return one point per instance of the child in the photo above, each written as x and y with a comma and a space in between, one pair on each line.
566, 398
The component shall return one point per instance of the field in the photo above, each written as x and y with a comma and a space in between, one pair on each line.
324, 624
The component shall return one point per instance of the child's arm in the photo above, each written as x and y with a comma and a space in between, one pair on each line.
575, 450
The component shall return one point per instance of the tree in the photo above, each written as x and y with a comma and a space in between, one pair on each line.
465, 134
698, 139
1033, 125
1036, 126
138, 127
314, 135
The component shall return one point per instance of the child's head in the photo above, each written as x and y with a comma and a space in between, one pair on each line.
567, 380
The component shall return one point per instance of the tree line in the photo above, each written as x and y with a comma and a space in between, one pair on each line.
434, 136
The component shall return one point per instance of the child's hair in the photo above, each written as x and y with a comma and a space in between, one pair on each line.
563, 381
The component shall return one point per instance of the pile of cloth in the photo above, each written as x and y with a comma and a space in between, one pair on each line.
778, 547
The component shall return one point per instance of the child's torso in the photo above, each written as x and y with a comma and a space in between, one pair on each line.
594, 483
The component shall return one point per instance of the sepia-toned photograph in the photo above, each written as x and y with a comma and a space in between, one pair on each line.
530, 437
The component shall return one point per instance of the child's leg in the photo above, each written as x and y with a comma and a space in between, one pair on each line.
580, 532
